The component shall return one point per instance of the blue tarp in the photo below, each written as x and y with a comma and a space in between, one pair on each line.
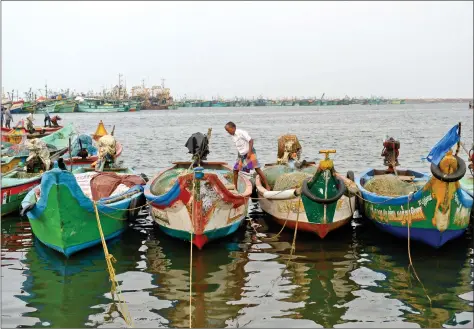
444, 145
87, 143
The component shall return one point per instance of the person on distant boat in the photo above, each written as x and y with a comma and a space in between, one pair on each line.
54, 121
29, 123
8, 118
47, 118
246, 154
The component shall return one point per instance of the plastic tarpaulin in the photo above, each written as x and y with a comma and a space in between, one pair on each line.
444, 145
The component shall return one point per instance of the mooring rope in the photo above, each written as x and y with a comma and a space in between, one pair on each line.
409, 248
115, 288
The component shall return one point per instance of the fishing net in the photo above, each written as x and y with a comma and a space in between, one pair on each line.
38, 148
288, 147
390, 185
290, 180
169, 178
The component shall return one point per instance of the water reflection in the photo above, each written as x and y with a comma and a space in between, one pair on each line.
217, 277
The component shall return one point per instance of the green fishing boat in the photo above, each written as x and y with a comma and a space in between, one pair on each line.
102, 106
65, 107
62, 211
206, 104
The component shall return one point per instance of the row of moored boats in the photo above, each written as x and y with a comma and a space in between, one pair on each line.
67, 183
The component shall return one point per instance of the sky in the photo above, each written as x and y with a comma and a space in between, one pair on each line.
244, 49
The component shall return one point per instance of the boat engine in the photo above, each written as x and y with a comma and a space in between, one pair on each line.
198, 146
390, 154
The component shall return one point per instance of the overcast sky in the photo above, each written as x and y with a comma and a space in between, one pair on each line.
227, 49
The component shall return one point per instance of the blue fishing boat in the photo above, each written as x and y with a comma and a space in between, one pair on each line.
433, 209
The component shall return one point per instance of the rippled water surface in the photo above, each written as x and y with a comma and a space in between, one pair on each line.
356, 277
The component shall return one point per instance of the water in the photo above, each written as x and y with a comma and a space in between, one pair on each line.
356, 277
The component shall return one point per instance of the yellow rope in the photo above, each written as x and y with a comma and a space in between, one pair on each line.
109, 258
409, 250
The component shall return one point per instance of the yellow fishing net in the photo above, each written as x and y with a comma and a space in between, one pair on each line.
290, 180
390, 185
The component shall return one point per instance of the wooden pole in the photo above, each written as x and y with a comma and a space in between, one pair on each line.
459, 142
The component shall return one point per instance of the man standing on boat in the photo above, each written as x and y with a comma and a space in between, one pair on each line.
8, 118
3, 109
29, 123
47, 118
246, 156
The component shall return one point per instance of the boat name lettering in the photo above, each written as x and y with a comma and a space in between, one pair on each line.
424, 201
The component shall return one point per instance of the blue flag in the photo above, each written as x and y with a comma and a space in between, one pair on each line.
444, 145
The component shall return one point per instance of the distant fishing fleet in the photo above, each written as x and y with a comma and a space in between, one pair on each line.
158, 97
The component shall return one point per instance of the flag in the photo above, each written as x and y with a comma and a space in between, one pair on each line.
444, 145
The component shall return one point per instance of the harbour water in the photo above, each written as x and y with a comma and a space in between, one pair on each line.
355, 277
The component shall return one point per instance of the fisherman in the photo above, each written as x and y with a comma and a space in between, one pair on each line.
246, 154
3, 109
29, 123
54, 120
8, 118
47, 118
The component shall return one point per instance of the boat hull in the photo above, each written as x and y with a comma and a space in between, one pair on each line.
64, 219
100, 109
439, 211
311, 216
218, 214
13, 192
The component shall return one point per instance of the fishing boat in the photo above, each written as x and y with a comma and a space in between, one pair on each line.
218, 104
414, 205
62, 209
65, 106
101, 106
56, 141
15, 134
85, 153
313, 198
198, 205
17, 182
206, 104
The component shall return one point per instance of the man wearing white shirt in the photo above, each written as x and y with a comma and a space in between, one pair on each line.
247, 156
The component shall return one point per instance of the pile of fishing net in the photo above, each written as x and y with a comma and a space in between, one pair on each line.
169, 178
389, 185
107, 145
38, 148
290, 180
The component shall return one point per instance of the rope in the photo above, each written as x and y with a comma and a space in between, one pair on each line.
409, 249
293, 248
191, 256
190, 280
115, 289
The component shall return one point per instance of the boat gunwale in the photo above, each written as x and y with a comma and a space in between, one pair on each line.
464, 198
169, 196
86, 203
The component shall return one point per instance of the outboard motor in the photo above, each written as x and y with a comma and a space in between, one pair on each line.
390, 154
198, 146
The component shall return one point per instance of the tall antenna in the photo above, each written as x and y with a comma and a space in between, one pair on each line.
163, 83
